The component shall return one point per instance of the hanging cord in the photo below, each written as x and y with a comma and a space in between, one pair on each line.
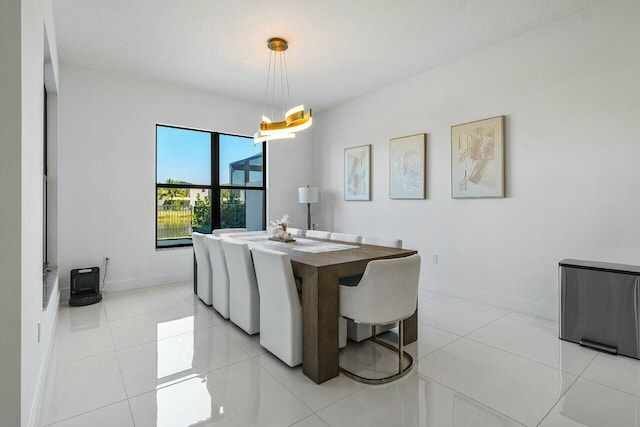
104, 277
286, 73
266, 88
273, 86
282, 83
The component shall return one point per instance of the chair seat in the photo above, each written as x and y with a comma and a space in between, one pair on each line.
350, 280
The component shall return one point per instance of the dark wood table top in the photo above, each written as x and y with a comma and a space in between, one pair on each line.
361, 252
343, 256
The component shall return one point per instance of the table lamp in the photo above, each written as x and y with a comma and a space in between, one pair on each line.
308, 195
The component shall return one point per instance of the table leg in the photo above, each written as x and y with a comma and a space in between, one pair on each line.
195, 274
410, 329
320, 310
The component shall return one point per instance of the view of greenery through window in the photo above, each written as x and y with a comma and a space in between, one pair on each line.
188, 178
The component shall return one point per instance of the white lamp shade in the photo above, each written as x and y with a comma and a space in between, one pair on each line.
308, 194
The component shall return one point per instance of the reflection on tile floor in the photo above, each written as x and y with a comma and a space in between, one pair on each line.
159, 357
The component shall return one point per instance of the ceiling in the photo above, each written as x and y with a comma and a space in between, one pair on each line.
338, 49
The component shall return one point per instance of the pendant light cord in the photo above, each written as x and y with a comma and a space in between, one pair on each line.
286, 73
274, 58
282, 83
266, 88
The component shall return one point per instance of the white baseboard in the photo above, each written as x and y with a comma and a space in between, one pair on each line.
496, 300
142, 282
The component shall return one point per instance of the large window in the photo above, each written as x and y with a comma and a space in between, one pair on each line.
194, 168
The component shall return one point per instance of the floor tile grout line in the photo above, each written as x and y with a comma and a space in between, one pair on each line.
610, 387
558, 401
359, 387
286, 388
193, 314
133, 420
187, 304
56, 342
471, 398
571, 386
588, 364
81, 359
525, 357
302, 419
166, 338
84, 413
181, 380
474, 330
489, 323
473, 302
107, 302
194, 375
441, 348
459, 337
124, 386
356, 390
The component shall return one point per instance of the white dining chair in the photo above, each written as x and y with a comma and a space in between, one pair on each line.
294, 231
219, 231
280, 310
346, 237
382, 241
219, 276
359, 331
387, 292
244, 297
317, 234
203, 278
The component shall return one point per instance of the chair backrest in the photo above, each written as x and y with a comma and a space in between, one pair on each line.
201, 252
382, 241
294, 231
220, 231
318, 234
346, 237
280, 311
387, 292
244, 298
200, 249
219, 276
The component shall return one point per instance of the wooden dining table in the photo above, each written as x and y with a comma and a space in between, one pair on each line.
320, 273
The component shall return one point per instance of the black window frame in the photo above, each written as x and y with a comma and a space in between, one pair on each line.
214, 187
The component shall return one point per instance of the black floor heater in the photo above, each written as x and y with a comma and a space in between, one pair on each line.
85, 286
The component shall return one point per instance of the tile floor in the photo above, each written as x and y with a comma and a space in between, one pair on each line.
159, 357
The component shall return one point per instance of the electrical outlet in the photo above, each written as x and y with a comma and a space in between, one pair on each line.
435, 258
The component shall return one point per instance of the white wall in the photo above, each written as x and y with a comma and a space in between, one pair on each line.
23, 354
107, 171
10, 223
571, 96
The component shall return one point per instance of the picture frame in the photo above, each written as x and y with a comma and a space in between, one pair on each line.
477, 159
357, 173
407, 167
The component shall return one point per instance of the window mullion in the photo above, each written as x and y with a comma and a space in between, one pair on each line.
215, 180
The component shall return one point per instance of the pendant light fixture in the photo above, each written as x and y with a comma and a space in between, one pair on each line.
293, 120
